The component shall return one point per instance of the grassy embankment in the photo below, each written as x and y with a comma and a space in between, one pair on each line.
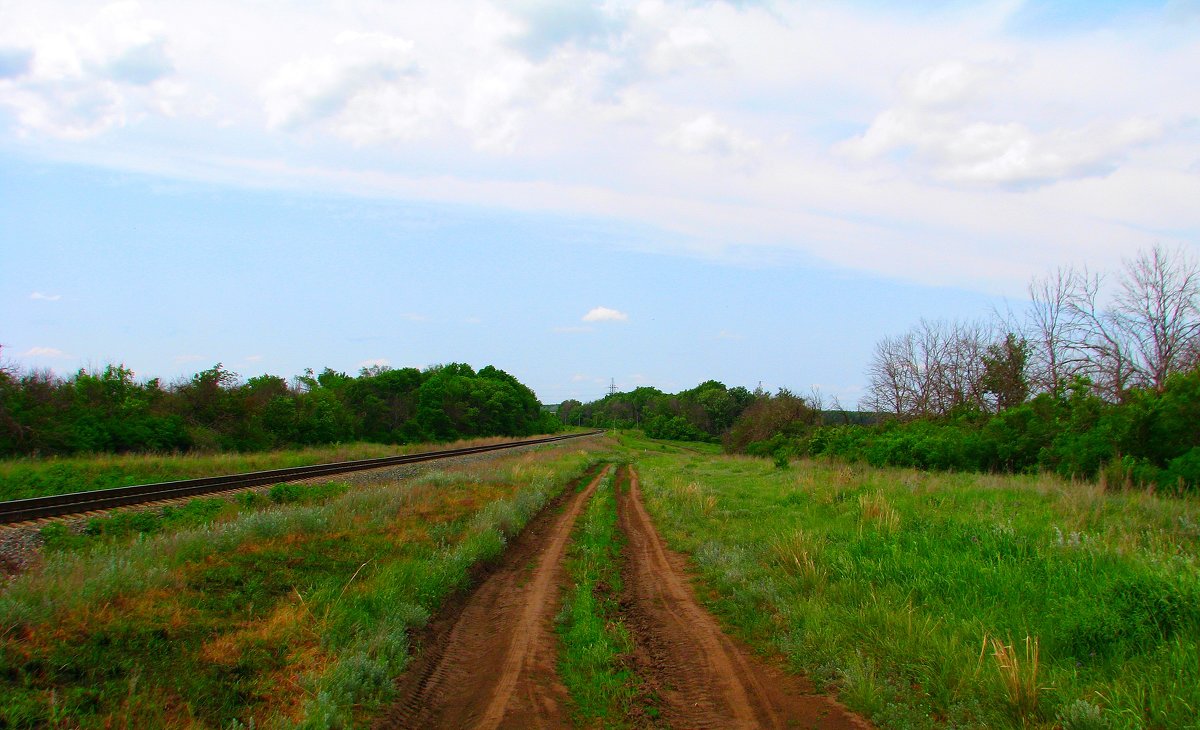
268, 615
949, 599
22, 478
594, 646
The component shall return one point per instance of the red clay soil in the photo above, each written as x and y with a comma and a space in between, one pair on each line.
702, 677
490, 661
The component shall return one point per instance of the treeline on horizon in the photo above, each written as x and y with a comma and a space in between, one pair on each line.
1099, 380
111, 411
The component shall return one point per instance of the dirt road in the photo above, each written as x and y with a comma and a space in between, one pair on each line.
492, 664
489, 659
704, 679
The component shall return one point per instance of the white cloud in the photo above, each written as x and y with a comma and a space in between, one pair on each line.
378, 362
604, 314
368, 89
39, 296
685, 48
948, 84
938, 121
80, 79
967, 149
53, 352
705, 135
254, 358
545, 25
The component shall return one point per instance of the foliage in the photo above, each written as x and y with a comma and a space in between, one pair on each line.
702, 413
1151, 439
110, 411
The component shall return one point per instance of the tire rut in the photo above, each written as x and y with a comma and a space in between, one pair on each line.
702, 678
490, 663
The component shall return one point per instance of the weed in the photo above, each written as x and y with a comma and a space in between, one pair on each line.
876, 510
1083, 715
797, 553
1018, 676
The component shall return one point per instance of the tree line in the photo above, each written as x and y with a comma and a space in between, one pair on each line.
1134, 334
1099, 379
110, 410
702, 413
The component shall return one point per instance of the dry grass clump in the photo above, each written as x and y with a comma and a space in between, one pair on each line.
799, 554
1018, 675
876, 510
692, 495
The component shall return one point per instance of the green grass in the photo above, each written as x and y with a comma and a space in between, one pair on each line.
594, 646
24, 478
913, 595
293, 613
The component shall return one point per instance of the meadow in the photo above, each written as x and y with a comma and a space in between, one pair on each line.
288, 610
934, 600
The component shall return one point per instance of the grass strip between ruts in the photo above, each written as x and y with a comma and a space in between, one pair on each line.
594, 646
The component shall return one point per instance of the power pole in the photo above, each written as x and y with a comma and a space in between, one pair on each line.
612, 390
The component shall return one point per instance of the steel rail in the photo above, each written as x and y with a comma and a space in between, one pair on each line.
57, 505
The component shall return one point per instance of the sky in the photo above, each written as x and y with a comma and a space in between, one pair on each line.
651, 192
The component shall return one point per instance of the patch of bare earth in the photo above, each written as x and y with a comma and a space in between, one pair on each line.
703, 679
489, 661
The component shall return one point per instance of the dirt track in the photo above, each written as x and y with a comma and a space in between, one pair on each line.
703, 678
489, 660
492, 665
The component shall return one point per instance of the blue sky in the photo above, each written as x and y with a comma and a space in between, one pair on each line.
752, 192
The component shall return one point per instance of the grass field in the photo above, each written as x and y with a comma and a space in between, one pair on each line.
287, 613
23, 478
947, 600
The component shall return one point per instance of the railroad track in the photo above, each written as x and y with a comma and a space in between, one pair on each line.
21, 510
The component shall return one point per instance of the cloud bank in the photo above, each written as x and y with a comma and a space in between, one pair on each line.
953, 146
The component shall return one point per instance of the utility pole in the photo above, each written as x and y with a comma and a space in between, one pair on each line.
612, 390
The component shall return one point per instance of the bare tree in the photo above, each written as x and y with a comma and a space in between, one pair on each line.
892, 376
1101, 336
930, 370
1053, 361
963, 369
1157, 308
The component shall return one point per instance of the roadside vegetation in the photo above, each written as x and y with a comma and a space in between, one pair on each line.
594, 646
932, 600
111, 411
30, 477
289, 610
